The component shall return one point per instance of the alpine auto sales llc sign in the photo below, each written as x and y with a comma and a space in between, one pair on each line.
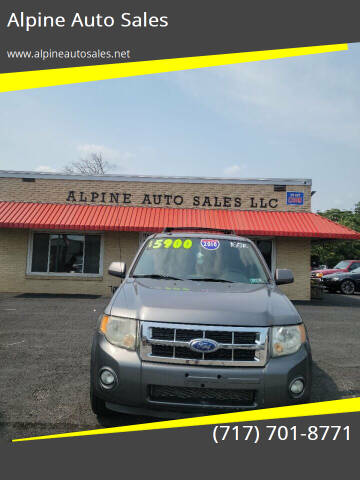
176, 200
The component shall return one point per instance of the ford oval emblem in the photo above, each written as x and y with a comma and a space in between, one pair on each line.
203, 345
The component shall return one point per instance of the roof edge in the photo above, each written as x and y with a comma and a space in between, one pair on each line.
155, 179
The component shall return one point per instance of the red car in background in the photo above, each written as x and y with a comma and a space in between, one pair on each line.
343, 266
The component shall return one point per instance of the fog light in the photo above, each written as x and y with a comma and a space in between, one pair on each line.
107, 378
297, 386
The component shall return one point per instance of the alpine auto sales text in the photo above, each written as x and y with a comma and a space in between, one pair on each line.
125, 20
178, 200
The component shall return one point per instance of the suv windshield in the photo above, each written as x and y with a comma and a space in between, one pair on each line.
343, 264
202, 259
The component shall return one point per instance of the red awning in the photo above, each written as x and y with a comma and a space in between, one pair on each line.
149, 219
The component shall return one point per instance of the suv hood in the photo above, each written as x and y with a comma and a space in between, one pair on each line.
208, 303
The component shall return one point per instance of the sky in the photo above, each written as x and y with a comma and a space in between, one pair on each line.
294, 118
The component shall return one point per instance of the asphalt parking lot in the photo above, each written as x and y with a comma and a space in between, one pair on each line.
45, 346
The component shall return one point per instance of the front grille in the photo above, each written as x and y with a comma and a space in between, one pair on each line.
186, 335
201, 396
243, 355
244, 337
162, 351
163, 333
184, 352
220, 337
236, 346
221, 354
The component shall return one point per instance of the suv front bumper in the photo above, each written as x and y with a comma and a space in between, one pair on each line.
131, 394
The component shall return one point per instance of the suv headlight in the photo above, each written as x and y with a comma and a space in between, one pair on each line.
119, 331
287, 339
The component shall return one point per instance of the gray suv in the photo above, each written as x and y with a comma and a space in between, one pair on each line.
198, 326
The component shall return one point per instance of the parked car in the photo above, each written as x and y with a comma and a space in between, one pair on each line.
346, 282
198, 326
343, 266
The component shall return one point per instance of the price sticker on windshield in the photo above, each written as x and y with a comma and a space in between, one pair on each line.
210, 244
170, 243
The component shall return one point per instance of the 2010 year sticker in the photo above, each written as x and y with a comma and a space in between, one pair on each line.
210, 243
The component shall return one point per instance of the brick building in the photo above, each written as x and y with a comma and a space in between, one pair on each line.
59, 233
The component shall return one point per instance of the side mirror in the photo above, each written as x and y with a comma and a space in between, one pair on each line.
117, 269
283, 275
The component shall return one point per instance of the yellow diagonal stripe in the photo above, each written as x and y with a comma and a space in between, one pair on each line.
62, 76
321, 408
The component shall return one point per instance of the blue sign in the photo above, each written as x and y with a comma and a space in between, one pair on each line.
203, 345
294, 198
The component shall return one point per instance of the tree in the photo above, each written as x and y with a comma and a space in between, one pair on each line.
330, 252
93, 164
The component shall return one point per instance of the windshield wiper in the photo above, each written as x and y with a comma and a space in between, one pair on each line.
209, 280
155, 275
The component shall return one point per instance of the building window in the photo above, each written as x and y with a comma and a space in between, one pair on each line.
63, 253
